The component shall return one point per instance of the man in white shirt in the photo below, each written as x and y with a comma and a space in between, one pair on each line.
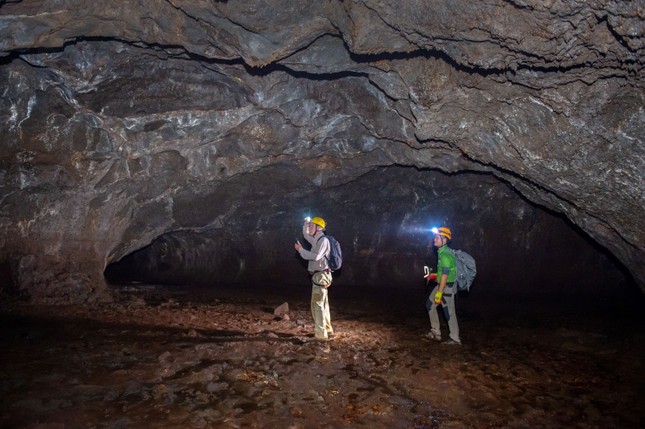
314, 232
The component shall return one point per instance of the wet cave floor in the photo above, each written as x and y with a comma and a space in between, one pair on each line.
162, 357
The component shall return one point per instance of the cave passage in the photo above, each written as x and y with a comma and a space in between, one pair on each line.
382, 221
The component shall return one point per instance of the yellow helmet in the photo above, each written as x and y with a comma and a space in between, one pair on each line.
443, 231
319, 221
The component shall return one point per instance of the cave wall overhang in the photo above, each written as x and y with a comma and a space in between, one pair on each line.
118, 120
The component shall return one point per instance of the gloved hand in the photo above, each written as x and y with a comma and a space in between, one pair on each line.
437, 297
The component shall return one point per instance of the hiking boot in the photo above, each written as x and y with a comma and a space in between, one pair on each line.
432, 336
452, 342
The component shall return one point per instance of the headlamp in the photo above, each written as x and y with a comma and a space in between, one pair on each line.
434, 230
308, 219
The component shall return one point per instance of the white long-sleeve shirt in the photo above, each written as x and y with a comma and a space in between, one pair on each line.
318, 256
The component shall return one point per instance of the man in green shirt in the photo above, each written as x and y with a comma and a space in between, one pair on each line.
445, 292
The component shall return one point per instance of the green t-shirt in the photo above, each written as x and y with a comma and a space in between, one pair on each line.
446, 264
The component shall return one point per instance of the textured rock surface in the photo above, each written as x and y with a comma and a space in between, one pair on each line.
122, 122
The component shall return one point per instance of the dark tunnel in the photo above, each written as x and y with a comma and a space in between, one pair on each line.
383, 221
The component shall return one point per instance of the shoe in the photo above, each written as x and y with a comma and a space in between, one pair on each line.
452, 342
432, 336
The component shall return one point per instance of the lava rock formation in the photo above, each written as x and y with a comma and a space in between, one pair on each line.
183, 141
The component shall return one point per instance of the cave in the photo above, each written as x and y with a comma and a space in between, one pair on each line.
383, 221
157, 161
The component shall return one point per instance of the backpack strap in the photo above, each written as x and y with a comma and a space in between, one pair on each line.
326, 256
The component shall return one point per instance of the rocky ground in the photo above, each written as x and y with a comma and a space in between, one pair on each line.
158, 358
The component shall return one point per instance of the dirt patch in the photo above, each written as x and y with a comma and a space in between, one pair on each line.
222, 359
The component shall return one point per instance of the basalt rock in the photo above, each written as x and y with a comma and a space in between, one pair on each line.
210, 128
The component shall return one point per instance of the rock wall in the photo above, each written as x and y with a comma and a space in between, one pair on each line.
122, 122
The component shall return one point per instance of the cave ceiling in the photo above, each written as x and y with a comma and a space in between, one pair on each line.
124, 121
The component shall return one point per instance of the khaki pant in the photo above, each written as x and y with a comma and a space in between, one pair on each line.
320, 304
449, 312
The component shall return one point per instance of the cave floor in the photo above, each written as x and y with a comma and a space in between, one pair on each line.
219, 358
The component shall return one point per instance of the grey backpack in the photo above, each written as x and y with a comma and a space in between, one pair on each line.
466, 269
